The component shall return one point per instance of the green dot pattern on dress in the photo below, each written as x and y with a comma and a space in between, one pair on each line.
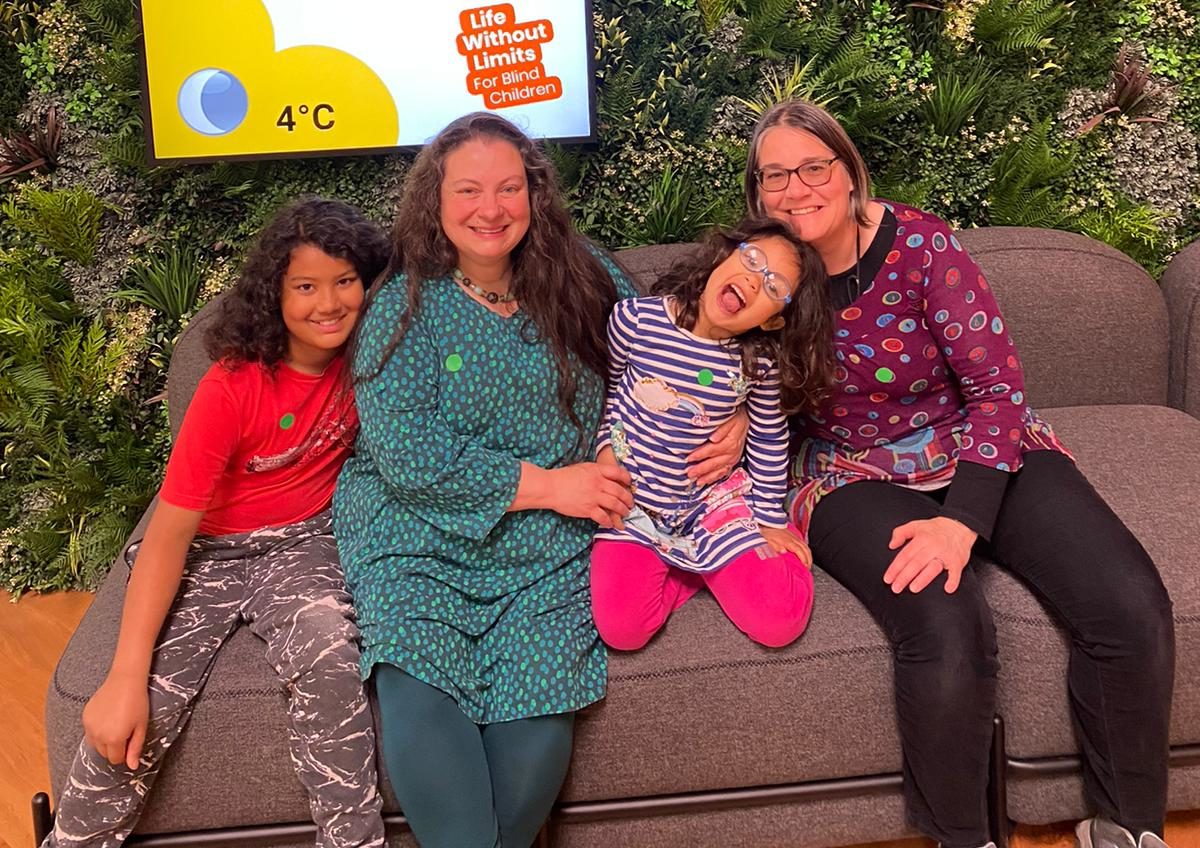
454, 362
489, 606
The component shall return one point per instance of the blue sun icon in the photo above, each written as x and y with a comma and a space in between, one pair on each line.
213, 102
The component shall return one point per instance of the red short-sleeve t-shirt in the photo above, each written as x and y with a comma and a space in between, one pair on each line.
260, 447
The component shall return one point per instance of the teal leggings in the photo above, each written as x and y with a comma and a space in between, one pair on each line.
464, 785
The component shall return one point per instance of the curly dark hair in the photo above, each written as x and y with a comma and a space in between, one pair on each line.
564, 290
803, 347
249, 324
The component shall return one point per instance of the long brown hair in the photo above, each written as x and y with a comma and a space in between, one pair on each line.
810, 118
803, 347
564, 291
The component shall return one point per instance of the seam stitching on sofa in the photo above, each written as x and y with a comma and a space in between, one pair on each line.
1047, 624
764, 663
227, 695
1190, 319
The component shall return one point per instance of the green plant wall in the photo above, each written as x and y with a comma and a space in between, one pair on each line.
983, 111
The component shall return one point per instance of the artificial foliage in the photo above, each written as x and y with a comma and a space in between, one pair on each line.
1077, 114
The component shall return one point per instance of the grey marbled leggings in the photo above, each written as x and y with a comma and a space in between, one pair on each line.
286, 584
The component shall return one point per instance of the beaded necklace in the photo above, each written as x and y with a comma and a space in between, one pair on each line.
491, 297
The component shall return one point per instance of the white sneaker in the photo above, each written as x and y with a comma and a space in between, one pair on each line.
1101, 832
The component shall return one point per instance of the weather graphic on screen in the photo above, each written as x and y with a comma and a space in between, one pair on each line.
234, 78
212, 102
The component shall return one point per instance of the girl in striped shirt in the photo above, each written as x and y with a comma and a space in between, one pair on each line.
743, 324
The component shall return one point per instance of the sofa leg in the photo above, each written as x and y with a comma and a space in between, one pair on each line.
43, 820
998, 786
543, 837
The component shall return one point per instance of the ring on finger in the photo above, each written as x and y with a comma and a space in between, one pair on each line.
941, 562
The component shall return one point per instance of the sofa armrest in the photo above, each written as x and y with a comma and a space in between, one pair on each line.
1181, 288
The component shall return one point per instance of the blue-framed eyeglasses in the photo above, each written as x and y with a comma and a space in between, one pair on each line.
777, 286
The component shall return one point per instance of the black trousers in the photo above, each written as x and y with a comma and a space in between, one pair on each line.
1057, 534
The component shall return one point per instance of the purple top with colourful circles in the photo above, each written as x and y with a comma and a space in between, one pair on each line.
927, 376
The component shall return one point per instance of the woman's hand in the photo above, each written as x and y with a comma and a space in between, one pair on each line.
786, 542
594, 490
928, 548
115, 719
714, 459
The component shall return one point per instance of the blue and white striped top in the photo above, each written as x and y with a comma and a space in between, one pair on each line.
669, 390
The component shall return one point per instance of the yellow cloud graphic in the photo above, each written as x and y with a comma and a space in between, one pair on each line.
299, 99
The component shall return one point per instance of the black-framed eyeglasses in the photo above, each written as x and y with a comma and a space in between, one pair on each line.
777, 286
813, 173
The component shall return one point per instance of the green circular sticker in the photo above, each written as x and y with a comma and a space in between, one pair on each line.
705, 377
454, 362
885, 375
286, 422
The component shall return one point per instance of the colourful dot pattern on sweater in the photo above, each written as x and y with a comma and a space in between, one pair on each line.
926, 375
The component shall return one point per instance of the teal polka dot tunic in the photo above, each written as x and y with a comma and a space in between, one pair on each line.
491, 607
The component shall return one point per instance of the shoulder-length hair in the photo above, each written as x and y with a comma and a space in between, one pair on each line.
803, 346
249, 324
810, 118
563, 289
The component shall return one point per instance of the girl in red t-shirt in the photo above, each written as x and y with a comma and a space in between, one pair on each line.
241, 533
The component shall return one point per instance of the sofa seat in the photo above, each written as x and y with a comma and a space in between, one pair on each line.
1157, 494
757, 706
758, 709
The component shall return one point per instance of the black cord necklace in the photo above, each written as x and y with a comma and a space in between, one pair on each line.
854, 281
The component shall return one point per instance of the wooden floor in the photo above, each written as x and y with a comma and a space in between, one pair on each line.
34, 631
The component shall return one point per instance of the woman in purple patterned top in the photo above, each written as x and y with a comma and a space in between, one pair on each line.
927, 453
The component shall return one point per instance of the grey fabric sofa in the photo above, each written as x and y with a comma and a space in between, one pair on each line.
706, 739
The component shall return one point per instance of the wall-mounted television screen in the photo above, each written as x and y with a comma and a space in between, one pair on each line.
228, 79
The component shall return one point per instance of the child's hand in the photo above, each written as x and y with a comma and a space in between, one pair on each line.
607, 456
115, 719
785, 542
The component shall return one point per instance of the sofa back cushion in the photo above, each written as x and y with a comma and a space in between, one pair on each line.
1090, 323
189, 362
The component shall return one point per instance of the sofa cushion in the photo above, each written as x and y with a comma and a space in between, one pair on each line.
1145, 462
1181, 287
189, 362
1068, 301
757, 708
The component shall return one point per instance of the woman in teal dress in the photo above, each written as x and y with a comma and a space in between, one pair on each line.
465, 519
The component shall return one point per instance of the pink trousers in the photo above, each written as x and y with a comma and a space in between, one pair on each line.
634, 592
